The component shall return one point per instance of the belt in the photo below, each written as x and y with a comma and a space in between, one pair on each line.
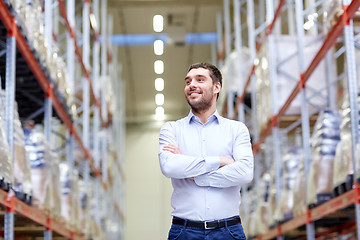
208, 225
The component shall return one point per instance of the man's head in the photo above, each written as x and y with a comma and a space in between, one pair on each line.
215, 73
203, 83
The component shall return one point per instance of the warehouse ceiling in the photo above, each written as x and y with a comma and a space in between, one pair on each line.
181, 17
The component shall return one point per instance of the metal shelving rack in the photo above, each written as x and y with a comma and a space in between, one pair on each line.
343, 26
96, 158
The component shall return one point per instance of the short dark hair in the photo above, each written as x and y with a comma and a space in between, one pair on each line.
215, 73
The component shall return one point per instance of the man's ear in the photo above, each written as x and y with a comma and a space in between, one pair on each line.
217, 87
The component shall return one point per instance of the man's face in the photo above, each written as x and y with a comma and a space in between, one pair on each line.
200, 92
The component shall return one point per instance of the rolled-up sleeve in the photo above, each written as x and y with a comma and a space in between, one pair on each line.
179, 165
238, 173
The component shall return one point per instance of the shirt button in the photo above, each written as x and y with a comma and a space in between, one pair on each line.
208, 207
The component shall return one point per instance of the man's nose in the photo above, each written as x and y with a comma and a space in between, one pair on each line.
192, 82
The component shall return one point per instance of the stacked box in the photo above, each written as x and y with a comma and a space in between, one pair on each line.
288, 76
326, 136
38, 151
343, 163
262, 210
290, 167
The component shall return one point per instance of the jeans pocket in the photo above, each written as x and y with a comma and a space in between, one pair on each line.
237, 231
175, 232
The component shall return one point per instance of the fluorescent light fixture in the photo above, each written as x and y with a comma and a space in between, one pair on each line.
159, 47
159, 67
159, 99
159, 84
158, 23
159, 113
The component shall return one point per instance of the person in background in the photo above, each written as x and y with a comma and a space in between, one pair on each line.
208, 158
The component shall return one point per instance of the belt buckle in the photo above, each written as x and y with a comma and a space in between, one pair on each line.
206, 227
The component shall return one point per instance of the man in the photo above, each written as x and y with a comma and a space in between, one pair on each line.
207, 158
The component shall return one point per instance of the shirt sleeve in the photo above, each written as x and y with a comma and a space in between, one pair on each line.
238, 173
179, 165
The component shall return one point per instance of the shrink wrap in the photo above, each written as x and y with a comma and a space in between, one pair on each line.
323, 146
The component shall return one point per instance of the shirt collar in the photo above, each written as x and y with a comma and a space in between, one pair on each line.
215, 117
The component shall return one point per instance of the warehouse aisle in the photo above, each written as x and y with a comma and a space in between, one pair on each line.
147, 191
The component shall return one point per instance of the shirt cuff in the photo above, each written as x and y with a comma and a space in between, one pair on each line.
202, 180
212, 163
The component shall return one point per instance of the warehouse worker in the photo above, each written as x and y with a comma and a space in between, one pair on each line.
207, 158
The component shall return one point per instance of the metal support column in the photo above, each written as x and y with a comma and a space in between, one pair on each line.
70, 44
86, 86
252, 49
219, 30
274, 104
70, 66
96, 81
310, 229
238, 64
9, 111
353, 96
331, 89
229, 93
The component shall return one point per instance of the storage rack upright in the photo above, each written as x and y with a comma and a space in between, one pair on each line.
91, 91
343, 24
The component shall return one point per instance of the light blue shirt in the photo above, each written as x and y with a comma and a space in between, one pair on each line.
215, 191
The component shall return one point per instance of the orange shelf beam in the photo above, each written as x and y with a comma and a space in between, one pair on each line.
8, 21
335, 32
36, 215
331, 206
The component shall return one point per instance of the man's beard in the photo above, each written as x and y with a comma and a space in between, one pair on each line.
202, 105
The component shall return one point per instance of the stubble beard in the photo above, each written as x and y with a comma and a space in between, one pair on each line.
200, 106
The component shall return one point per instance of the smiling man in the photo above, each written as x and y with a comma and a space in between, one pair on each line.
208, 158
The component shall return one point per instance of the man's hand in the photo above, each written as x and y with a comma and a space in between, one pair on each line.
226, 161
172, 148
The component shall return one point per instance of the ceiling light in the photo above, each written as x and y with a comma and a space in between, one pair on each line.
159, 84
159, 99
158, 23
158, 47
159, 67
159, 113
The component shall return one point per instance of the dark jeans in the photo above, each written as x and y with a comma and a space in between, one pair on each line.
179, 232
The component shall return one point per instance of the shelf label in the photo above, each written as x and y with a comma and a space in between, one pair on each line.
344, 200
19, 207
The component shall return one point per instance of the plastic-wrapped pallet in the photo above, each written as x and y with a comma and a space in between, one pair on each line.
231, 73
84, 204
287, 76
272, 220
325, 138
38, 151
6, 165
55, 191
70, 201
262, 210
21, 164
250, 227
22, 171
290, 162
300, 192
343, 163
6, 173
